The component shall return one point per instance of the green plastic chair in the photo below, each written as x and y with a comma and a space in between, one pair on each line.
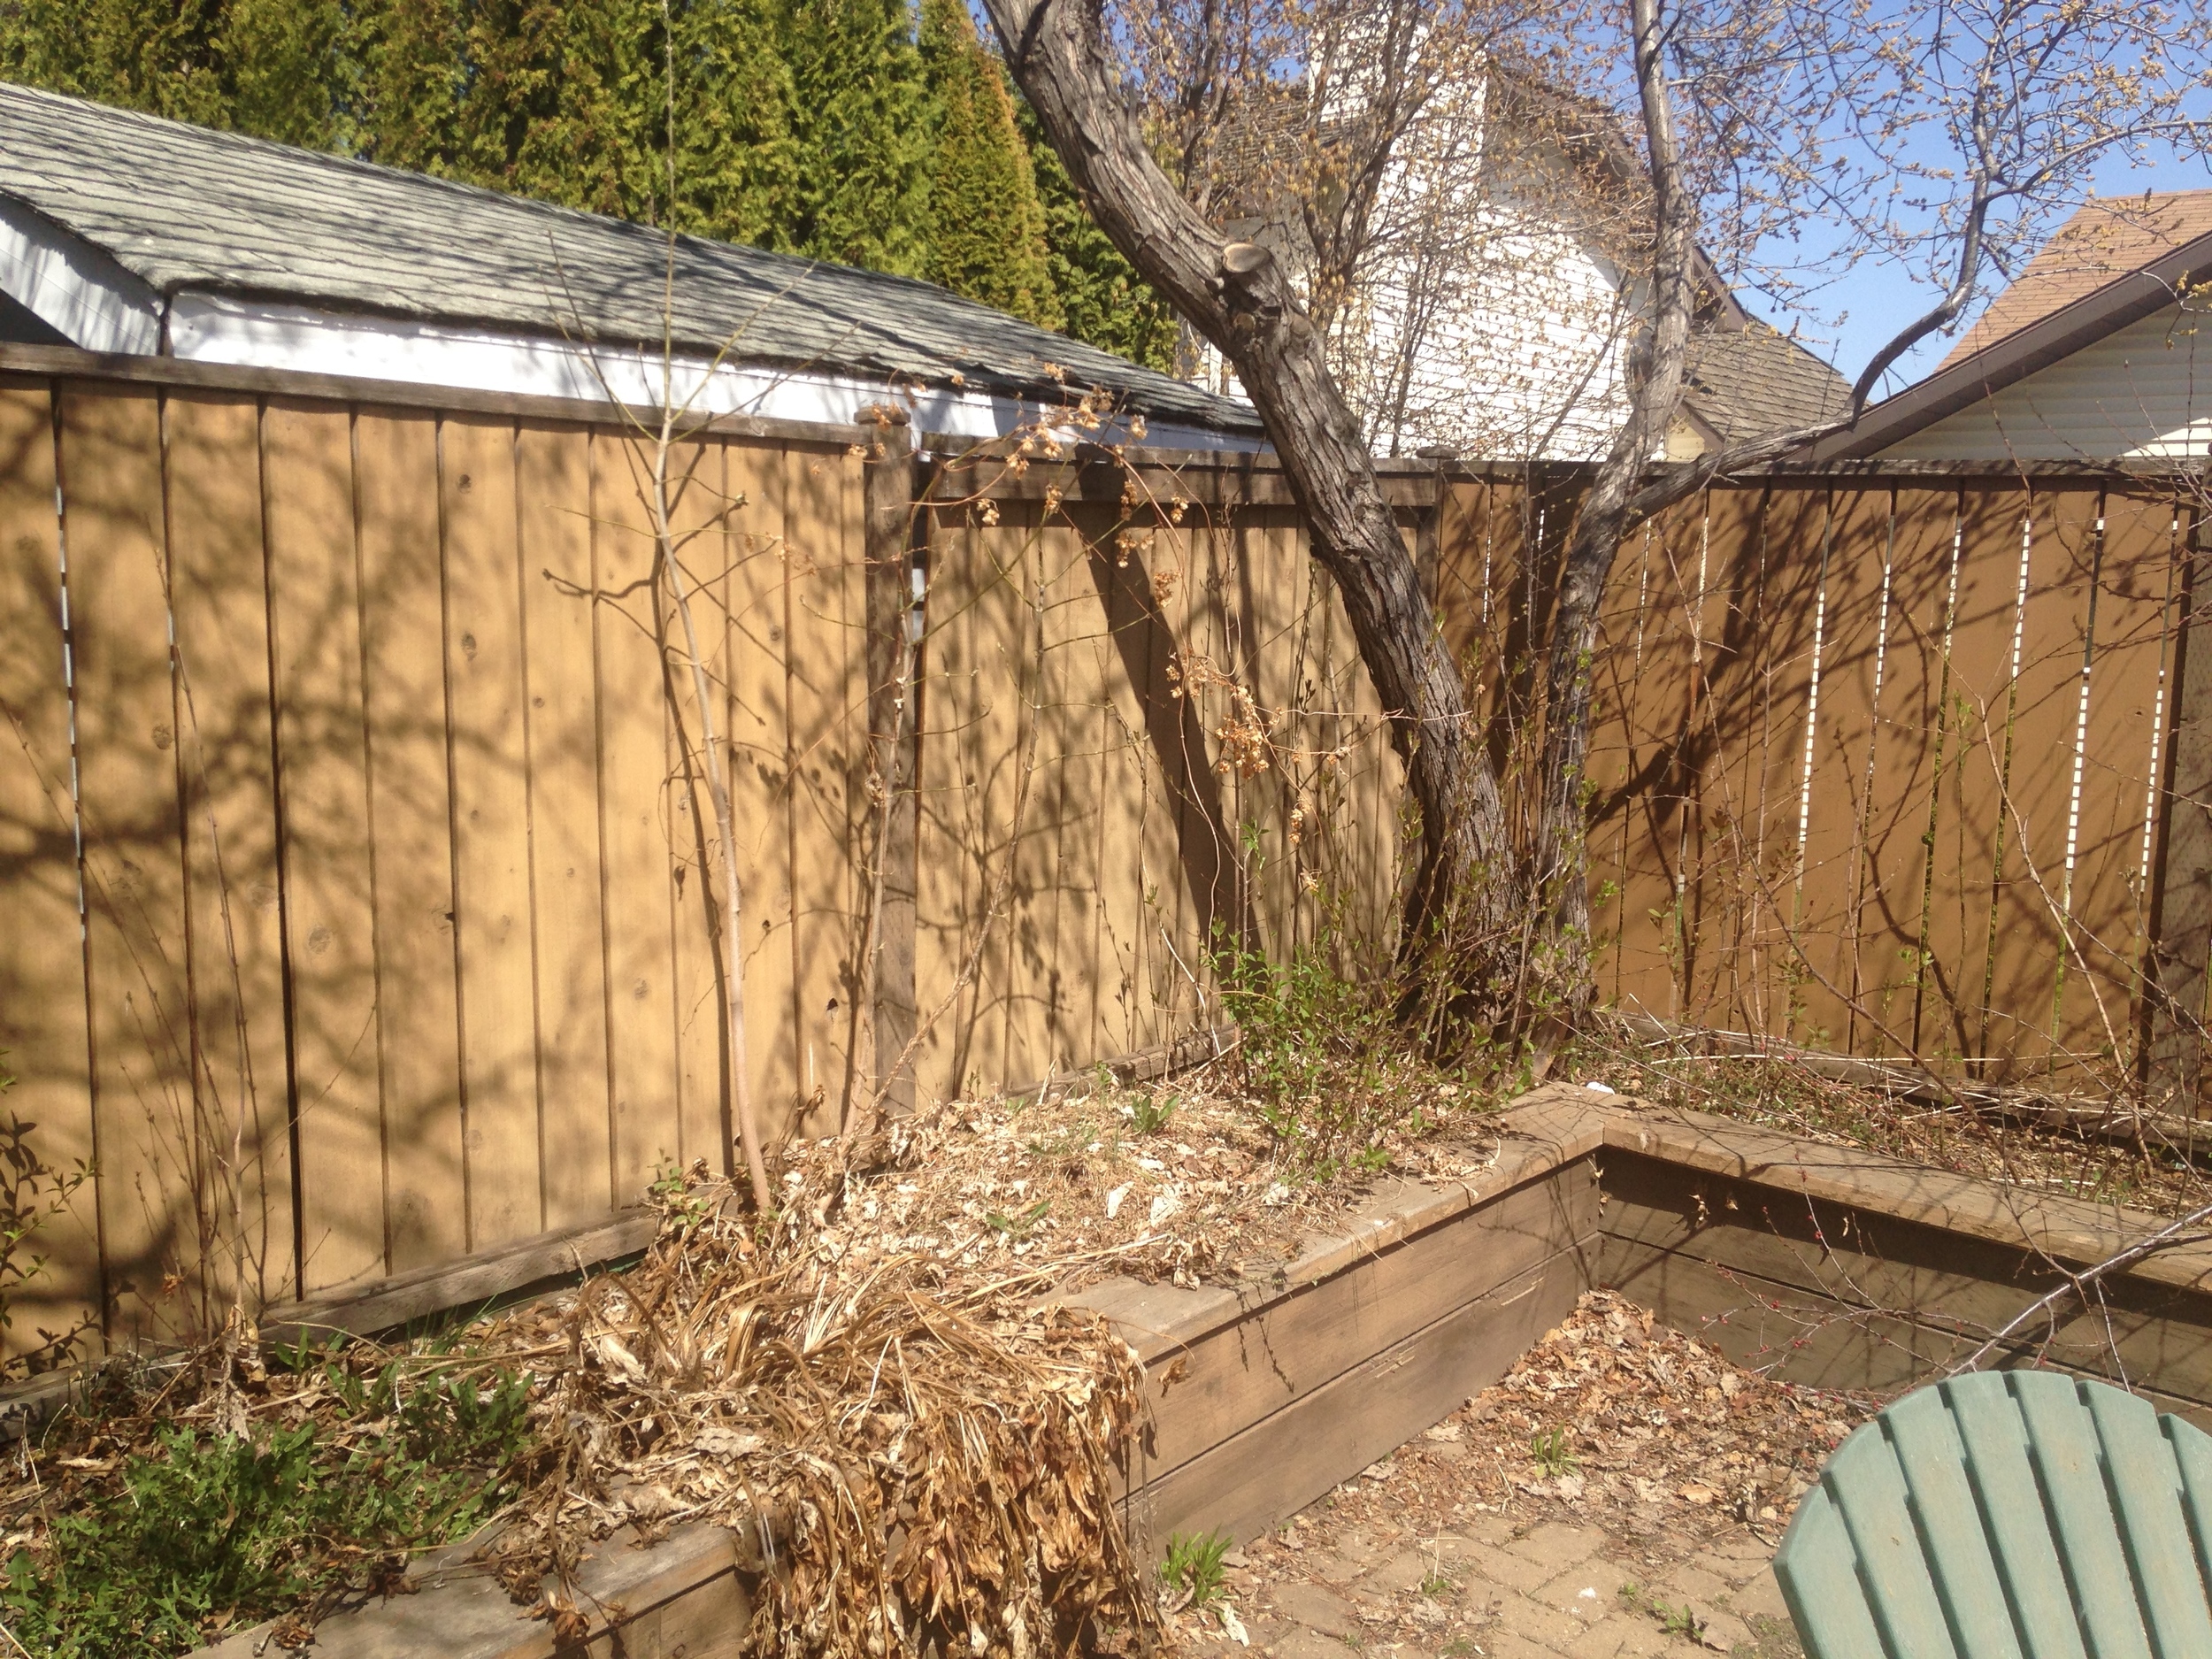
2007, 1515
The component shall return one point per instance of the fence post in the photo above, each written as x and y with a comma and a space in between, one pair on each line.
2183, 921
892, 479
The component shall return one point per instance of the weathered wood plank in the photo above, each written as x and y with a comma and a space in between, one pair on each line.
322, 775
427, 1293
633, 829
1279, 1465
410, 829
1242, 1372
553, 500
41, 950
220, 606
491, 830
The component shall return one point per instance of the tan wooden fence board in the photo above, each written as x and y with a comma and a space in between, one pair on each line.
43, 1006
410, 831
226, 755
560, 713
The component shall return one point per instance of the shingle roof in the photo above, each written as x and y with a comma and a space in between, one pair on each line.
184, 207
1748, 380
2104, 239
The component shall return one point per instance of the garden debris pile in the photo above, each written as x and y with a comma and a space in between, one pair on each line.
1178, 1181
909, 1460
1786, 1092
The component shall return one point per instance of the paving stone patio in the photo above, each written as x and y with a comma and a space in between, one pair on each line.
1621, 1493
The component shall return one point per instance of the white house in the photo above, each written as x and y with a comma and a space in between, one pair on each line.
1490, 309
2094, 354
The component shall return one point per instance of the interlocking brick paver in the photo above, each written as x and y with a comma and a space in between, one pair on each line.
1760, 1598
1723, 1632
1688, 1581
1403, 1571
1625, 1638
1591, 1583
1333, 1568
1506, 1569
1298, 1642
1558, 1545
1310, 1605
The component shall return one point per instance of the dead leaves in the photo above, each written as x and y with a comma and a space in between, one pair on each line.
907, 1460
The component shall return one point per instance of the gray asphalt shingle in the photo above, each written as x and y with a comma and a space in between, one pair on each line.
182, 207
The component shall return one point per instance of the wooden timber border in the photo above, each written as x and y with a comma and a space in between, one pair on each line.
1820, 1265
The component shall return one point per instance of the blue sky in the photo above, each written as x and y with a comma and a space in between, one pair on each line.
1879, 298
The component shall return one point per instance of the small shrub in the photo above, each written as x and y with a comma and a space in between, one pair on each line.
1324, 1059
1194, 1563
1148, 1113
1552, 1453
31, 1194
207, 1533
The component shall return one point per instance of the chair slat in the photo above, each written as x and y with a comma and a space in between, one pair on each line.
2146, 1500
1869, 1490
2063, 1439
2018, 1532
1933, 1461
1820, 1583
2193, 1461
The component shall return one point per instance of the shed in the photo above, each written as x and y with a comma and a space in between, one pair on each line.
126, 234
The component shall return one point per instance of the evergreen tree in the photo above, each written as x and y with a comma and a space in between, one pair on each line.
1103, 301
407, 95
860, 125
987, 226
274, 68
820, 127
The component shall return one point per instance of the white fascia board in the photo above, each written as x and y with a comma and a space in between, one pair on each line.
74, 287
206, 327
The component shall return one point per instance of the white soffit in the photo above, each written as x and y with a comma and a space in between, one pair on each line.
76, 289
206, 327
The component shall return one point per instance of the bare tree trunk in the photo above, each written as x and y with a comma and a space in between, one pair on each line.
1237, 295
1655, 380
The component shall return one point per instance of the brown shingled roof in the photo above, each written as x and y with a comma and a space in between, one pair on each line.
1748, 380
2104, 239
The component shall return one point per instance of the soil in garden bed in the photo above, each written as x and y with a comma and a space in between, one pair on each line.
748, 1366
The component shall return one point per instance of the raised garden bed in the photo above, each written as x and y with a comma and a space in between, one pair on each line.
1812, 1263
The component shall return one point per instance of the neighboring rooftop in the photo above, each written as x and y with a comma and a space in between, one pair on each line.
158, 210
2106, 239
2089, 356
1747, 379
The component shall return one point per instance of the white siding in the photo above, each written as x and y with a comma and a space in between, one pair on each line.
2144, 391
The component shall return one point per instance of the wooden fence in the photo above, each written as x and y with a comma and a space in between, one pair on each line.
1884, 764
357, 880
354, 876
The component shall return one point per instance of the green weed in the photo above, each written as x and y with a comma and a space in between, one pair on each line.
1551, 1452
1194, 1563
1148, 1113
1679, 1621
1331, 1071
1018, 1227
205, 1532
